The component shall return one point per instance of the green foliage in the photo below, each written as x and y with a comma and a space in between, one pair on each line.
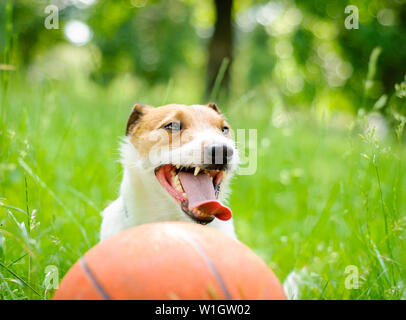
329, 106
327, 194
301, 46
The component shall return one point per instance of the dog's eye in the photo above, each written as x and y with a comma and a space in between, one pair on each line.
225, 130
173, 126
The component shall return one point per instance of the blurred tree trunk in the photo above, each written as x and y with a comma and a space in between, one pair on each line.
221, 45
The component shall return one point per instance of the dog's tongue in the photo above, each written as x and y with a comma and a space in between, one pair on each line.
200, 192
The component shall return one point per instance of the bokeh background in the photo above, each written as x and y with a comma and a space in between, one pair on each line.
328, 104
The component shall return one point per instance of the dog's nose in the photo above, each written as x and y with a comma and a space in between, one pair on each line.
218, 154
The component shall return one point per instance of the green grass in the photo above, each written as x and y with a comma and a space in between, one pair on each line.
325, 195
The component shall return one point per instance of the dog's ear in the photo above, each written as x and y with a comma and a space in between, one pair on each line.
214, 106
137, 112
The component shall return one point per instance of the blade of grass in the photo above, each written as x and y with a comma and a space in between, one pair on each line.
373, 61
19, 278
18, 240
16, 260
84, 198
386, 223
168, 90
28, 228
219, 79
27, 168
5, 285
6, 53
12, 208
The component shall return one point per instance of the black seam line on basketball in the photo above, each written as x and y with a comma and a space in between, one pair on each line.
95, 283
211, 265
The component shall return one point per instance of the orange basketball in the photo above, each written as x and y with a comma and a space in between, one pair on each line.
171, 260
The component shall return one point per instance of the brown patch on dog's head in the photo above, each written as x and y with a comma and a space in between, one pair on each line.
136, 113
213, 106
146, 120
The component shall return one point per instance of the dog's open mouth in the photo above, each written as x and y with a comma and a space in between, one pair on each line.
196, 190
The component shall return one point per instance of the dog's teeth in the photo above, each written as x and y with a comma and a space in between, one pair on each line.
177, 184
177, 166
197, 169
203, 214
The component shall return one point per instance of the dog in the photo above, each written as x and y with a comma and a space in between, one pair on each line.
177, 161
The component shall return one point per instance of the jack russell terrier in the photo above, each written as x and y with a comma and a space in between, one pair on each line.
178, 161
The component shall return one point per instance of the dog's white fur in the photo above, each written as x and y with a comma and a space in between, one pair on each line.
142, 198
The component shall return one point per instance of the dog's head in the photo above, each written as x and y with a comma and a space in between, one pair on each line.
191, 153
